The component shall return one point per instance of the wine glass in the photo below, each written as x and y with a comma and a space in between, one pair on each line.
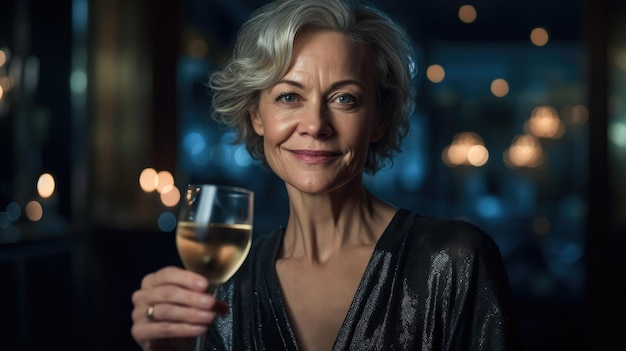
214, 232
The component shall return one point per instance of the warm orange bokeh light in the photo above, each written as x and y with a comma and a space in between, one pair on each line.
170, 196
6, 84
435, 73
165, 178
544, 122
477, 155
467, 148
148, 180
499, 87
467, 13
539, 36
45, 185
525, 151
34, 211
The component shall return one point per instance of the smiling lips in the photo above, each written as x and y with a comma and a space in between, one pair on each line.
315, 156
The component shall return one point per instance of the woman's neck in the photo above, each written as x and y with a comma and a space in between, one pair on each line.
321, 226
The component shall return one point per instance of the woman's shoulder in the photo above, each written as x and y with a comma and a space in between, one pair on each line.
451, 235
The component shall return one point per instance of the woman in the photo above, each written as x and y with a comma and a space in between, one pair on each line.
320, 92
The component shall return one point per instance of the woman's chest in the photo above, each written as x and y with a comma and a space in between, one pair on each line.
318, 297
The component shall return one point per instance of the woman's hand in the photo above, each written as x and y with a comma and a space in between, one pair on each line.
172, 303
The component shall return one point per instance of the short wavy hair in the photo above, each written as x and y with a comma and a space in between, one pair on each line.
262, 55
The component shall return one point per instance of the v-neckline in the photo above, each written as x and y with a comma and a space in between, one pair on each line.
380, 243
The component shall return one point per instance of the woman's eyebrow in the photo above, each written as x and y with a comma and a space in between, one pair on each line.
290, 82
333, 86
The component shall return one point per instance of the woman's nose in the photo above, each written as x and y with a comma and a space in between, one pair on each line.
315, 121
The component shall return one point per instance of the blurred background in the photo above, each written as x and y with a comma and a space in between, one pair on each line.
520, 128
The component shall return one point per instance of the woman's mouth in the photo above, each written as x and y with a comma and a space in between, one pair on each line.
315, 156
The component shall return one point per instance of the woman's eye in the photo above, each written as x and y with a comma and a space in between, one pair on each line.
345, 99
287, 97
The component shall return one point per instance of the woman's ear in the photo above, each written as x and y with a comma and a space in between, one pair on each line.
256, 121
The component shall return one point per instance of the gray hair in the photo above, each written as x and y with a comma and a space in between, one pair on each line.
262, 55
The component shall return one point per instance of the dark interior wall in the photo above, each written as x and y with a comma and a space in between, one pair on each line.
606, 234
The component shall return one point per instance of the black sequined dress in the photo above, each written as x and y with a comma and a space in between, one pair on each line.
431, 284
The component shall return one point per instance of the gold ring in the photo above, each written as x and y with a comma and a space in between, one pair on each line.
150, 312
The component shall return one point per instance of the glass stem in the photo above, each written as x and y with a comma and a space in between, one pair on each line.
200, 340
212, 288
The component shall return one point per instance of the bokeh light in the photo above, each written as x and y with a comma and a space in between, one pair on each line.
467, 14
489, 206
14, 211
617, 134
477, 155
525, 151
467, 148
170, 195
3, 57
34, 211
45, 185
165, 178
242, 157
435, 73
166, 222
6, 84
544, 122
148, 180
194, 143
499, 87
78, 81
539, 36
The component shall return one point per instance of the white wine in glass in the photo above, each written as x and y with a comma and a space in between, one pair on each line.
214, 232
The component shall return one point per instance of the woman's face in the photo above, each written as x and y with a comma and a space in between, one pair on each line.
318, 120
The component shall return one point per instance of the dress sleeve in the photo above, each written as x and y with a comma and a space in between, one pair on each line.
470, 283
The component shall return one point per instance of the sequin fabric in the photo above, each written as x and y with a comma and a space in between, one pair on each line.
431, 284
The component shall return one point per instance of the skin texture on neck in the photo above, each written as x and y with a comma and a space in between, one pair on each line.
320, 226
